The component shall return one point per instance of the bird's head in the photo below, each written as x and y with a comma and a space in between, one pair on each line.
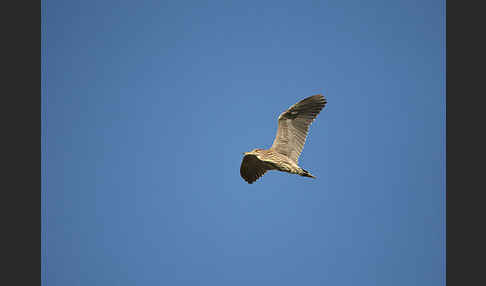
253, 152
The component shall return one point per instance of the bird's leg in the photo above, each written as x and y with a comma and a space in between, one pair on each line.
305, 173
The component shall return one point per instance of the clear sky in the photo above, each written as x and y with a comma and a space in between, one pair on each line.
147, 107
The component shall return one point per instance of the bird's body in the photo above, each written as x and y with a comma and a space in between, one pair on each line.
293, 125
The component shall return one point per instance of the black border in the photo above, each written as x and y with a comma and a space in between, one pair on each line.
465, 143
21, 179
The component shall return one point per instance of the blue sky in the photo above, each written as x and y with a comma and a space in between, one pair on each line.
147, 107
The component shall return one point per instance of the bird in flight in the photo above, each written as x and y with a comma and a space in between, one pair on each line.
293, 125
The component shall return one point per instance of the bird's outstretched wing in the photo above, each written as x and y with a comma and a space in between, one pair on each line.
293, 125
251, 168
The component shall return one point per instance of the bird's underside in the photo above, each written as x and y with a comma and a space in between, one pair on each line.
293, 126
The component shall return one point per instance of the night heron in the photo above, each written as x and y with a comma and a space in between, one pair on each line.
293, 125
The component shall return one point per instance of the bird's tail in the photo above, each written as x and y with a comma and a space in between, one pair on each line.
305, 173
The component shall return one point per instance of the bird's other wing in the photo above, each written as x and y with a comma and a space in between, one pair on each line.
251, 168
293, 125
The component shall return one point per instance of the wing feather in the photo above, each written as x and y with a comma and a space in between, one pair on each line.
252, 168
293, 126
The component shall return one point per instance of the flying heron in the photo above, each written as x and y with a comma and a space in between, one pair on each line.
293, 125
